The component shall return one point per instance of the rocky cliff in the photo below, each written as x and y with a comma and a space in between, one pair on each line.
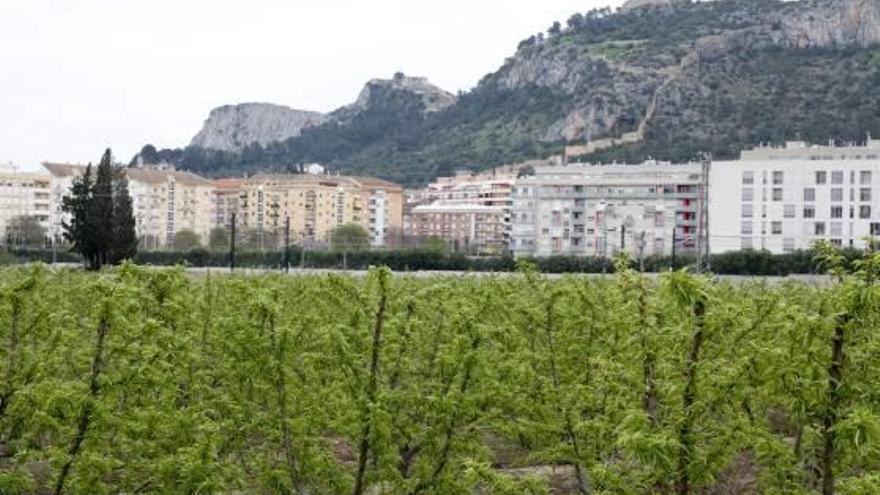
431, 97
234, 127
667, 79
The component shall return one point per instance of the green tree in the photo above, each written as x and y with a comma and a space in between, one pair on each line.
124, 242
186, 240
349, 237
102, 223
78, 231
100, 210
25, 230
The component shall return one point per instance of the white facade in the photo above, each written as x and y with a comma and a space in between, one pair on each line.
378, 207
23, 194
599, 210
784, 199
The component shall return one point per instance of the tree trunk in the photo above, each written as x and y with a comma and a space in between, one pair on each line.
85, 417
281, 396
12, 357
364, 450
650, 400
685, 433
829, 420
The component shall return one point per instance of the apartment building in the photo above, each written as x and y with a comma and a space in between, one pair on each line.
167, 201
466, 227
164, 201
470, 212
786, 198
61, 177
23, 194
383, 203
227, 196
317, 204
599, 210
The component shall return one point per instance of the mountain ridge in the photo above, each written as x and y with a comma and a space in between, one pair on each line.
666, 81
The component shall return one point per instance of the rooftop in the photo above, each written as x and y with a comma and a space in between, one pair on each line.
801, 150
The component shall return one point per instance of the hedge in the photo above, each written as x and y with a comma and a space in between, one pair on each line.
749, 262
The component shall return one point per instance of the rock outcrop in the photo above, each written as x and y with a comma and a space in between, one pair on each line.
432, 97
234, 127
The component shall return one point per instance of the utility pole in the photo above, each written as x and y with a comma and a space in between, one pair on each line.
232, 244
622, 238
702, 221
674, 242
642, 251
287, 245
707, 169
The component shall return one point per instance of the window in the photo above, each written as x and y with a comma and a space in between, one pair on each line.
748, 194
865, 194
837, 177
776, 228
777, 194
788, 244
747, 210
836, 228
836, 194
747, 228
821, 177
777, 177
819, 228
865, 177
809, 194
865, 211
788, 211
875, 229
746, 243
836, 212
748, 177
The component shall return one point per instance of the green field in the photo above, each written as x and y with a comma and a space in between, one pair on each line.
150, 381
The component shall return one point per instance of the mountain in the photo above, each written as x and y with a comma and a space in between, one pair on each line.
432, 98
234, 127
667, 79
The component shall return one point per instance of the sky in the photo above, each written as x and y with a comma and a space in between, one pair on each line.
78, 76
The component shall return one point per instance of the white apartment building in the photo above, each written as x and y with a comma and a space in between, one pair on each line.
599, 210
61, 177
784, 199
23, 194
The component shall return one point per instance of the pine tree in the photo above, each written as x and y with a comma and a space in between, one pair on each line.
125, 241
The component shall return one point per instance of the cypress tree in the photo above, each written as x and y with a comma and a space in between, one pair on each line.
102, 226
77, 205
100, 209
125, 241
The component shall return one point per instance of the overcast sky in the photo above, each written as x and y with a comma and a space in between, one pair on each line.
77, 76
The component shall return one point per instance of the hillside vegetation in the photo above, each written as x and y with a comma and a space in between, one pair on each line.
665, 82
